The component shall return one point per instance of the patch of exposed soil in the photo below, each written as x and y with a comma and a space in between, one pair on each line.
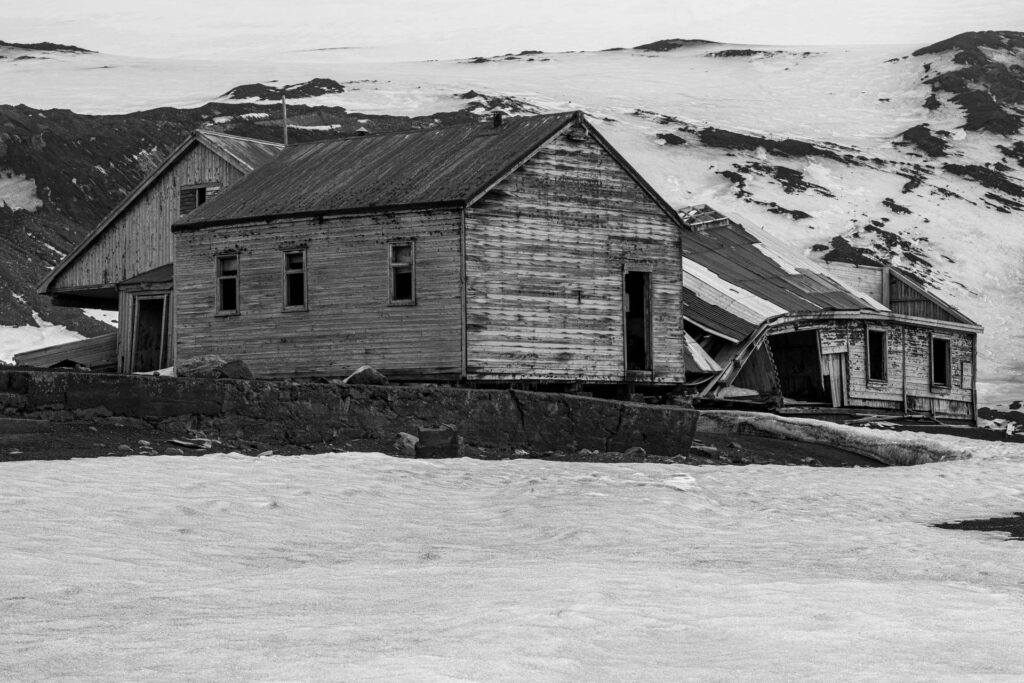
40, 440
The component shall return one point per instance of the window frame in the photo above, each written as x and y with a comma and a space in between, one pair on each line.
221, 277
286, 283
207, 191
393, 266
948, 360
884, 379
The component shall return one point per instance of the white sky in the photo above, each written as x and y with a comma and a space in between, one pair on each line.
419, 29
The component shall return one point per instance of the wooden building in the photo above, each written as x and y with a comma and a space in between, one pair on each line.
782, 327
516, 250
125, 262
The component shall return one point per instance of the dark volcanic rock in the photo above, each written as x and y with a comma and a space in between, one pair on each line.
47, 47
672, 44
988, 177
313, 88
727, 139
842, 251
891, 204
671, 139
922, 137
989, 90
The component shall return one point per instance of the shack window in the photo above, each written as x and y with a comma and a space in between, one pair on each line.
402, 268
941, 362
193, 197
877, 356
295, 280
227, 283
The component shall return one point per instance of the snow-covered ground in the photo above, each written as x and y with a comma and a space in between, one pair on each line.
15, 340
366, 567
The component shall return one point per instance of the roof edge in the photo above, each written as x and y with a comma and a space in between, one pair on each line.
323, 214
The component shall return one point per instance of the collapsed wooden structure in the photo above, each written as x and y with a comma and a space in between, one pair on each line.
785, 330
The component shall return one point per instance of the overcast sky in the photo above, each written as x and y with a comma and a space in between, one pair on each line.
424, 29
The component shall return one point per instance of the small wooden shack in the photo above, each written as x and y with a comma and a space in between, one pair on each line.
517, 250
788, 330
124, 264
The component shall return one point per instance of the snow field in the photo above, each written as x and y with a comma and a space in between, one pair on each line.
366, 567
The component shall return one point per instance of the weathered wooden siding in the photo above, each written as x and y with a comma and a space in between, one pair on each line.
545, 254
140, 239
955, 401
905, 300
865, 279
98, 353
349, 321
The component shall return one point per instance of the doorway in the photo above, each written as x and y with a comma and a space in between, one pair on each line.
636, 300
149, 347
798, 363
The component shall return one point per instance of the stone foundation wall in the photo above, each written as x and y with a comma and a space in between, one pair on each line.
314, 413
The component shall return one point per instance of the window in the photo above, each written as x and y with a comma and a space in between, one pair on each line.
941, 362
195, 195
402, 267
295, 280
227, 283
877, 356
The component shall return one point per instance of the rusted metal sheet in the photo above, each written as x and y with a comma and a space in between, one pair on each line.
418, 168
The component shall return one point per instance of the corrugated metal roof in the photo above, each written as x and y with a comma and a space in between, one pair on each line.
246, 154
425, 167
714, 318
754, 262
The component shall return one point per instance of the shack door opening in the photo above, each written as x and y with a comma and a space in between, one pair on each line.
798, 362
149, 348
637, 303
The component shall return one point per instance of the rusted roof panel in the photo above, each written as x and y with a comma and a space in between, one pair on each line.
714, 319
744, 259
246, 153
435, 166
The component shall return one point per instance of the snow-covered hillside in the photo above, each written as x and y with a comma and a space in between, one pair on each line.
366, 567
860, 152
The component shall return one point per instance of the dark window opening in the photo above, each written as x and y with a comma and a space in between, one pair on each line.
941, 362
877, 356
192, 198
637, 287
227, 284
402, 268
295, 279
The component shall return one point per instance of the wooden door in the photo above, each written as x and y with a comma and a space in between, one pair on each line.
149, 338
834, 368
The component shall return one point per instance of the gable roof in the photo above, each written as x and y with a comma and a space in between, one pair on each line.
244, 154
448, 166
738, 276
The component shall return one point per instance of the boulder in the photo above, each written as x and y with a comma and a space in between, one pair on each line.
366, 375
213, 367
